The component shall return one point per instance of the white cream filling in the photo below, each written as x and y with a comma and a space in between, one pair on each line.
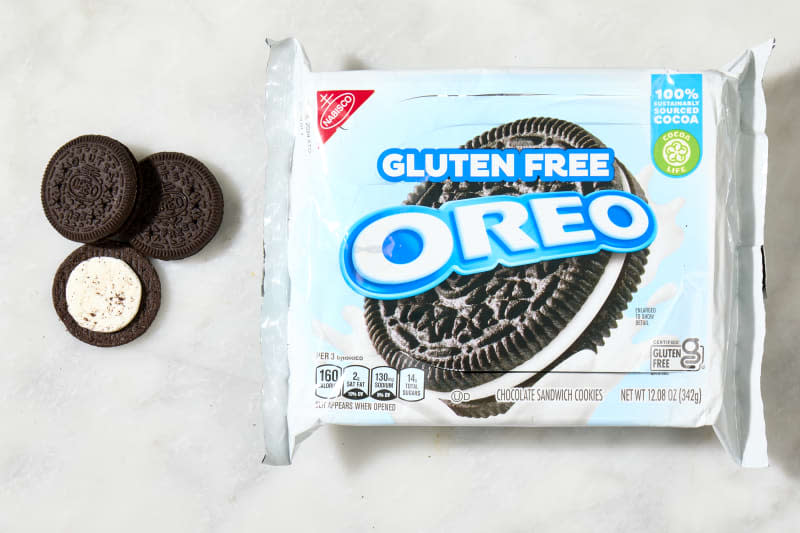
103, 294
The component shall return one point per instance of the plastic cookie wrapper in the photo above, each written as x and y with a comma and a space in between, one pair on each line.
534, 247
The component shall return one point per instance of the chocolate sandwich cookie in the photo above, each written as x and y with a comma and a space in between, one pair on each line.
471, 329
89, 188
179, 209
106, 294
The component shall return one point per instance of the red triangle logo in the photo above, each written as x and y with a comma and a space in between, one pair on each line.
334, 108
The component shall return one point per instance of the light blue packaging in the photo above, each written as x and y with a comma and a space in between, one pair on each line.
514, 248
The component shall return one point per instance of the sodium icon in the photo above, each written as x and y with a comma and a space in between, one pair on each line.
383, 385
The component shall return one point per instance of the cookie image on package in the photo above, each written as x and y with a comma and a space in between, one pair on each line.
106, 294
179, 207
89, 188
472, 329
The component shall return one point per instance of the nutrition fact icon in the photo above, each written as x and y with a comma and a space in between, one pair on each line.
384, 383
359, 382
412, 384
355, 385
327, 381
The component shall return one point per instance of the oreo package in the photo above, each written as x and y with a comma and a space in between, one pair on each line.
514, 248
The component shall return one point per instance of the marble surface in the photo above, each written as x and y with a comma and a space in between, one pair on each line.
164, 434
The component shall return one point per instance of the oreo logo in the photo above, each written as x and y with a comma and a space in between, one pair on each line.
337, 111
85, 185
172, 203
403, 251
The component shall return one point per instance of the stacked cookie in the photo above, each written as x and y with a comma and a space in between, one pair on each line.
167, 206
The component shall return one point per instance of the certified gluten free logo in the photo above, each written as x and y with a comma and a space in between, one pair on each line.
674, 355
676, 153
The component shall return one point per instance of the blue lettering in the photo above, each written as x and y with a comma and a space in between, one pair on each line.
405, 250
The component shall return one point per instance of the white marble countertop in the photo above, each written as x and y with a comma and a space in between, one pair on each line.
164, 434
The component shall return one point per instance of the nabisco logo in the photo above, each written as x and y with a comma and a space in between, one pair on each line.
335, 107
337, 111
